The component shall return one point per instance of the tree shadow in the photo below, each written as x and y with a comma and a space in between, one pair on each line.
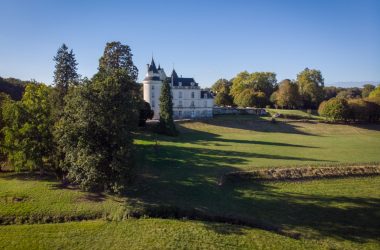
188, 178
257, 123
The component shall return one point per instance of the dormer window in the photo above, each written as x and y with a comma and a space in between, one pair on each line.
205, 95
192, 83
180, 84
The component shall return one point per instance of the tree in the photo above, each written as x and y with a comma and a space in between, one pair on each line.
367, 88
335, 109
287, 94
349, 93
310, 85
96, 126
146, 113
265, 82
223, 99
330, 92
222, 88
375, 93
166, 124
3, 100
28, 129
65, 73
250, 98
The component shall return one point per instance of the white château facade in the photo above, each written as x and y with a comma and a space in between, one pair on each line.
189, 100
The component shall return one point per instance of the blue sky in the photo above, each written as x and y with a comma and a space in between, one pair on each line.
203, 39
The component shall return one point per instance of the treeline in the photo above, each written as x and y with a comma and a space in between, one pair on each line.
79, 128
261, 89
12, 87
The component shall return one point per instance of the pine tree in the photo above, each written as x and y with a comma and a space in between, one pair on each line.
65, 73
166, 124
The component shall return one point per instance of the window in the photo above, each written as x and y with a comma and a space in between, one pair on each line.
205, 104
192, 94
180, 104
152, 86
180, 113
205, 95
180, 84
152, 104
153, 94
180, 94
192, 104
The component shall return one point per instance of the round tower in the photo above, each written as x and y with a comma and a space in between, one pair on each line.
152, 88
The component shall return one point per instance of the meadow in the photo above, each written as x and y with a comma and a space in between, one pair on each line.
184, 172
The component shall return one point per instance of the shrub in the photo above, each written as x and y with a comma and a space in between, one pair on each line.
335, 109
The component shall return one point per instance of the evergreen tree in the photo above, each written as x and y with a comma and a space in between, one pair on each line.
65, 75
166, 124
95, 129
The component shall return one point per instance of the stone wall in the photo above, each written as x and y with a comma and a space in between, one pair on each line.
238, 111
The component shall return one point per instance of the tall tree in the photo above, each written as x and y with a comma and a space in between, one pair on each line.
96, 126
65, 73
367, 88
166, 124
310, 85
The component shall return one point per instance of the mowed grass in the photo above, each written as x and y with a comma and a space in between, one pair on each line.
28, 197
329, 214
155, 234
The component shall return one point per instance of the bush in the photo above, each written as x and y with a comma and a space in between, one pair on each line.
335, 109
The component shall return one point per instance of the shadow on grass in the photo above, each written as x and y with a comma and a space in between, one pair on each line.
187, 178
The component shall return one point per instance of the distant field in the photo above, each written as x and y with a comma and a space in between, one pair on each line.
185, 171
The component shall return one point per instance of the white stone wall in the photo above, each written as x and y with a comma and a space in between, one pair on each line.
152, 91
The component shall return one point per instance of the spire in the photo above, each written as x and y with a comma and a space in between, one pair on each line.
174, 74
159, 67
152, 66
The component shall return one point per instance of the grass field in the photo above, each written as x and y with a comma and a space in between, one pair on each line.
185, 171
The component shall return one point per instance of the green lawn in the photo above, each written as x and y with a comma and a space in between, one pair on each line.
185, 171
155, 234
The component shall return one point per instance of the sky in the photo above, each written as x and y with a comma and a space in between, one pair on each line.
203, 39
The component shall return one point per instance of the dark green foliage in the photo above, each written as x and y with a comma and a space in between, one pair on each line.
12, 87
146, 113
335, 109
222, 89
166, 125
118, 56
28, 129
95, 130
3, 100
310, 85
65, 75
223, 99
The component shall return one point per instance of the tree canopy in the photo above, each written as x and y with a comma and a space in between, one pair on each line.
310, 85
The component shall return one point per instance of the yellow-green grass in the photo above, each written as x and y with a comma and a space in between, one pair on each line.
156, 234
295, 113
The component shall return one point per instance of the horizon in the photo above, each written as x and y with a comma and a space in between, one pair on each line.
207, 41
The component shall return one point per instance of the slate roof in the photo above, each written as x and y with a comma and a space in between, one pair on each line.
152, 67
185, 82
